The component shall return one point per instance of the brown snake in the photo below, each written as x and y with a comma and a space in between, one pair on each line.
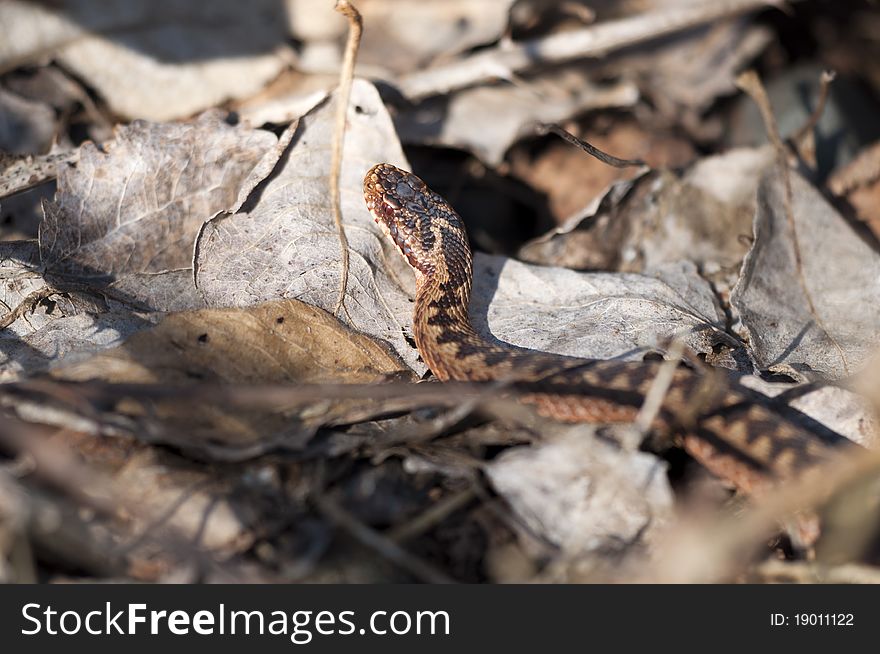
733, 432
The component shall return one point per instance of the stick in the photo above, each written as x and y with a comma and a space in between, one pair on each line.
592, 150
355, 29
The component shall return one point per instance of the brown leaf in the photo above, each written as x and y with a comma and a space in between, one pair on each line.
282, 341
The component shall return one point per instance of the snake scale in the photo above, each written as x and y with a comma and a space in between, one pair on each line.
734, 433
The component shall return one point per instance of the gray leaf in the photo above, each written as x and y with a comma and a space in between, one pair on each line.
841, 274
125, 220
285, 245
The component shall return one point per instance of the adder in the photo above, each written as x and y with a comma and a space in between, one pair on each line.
734, 433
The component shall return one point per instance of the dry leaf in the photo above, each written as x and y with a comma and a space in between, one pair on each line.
583, 494
594, 315
125, 219
404, 35
487, 120
26, 126
684, 75
60, 325
572, 180
285, 244
281, 341
841, 274
158, 60
699, 217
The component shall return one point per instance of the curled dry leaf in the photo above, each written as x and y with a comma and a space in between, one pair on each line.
591, 239
125, 219
841, 279
158, 60
487, 120
684, 75
859, 182
591, 41
583, 494
276, 342
572, 181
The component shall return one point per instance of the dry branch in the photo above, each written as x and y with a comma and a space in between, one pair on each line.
346, 76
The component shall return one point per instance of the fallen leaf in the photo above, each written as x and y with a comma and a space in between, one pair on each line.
405, 35
594, 315
573, 180
662, 218
281, 342
584, 494
154, 60
62, 324
841, 278
26, 127
125, 219
487, 120
284, 243
683, 76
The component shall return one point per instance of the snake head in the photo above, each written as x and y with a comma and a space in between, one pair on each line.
417, 220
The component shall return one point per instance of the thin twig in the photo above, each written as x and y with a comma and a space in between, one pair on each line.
355, 28
544, 128
255, 396
659, 388
433, 516
379, 543
19, 173
751, 84
28, 304
807, 128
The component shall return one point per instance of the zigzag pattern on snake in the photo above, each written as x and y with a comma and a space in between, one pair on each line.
735, 434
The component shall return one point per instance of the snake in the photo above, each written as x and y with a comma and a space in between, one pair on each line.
731, 430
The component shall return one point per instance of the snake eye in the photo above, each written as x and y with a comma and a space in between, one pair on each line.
404, 190
391, 202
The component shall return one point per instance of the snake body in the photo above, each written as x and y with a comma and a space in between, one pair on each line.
734, 434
